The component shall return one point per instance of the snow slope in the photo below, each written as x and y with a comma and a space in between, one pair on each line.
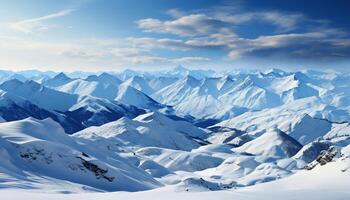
305, 184
72, 111
273, 143
263, 130
34, 149
220, 97
148, 130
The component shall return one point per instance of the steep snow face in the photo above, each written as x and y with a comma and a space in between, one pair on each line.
254, 92
93, 88
159, 83
131, 96
272, 143
249, 94
140, 84
73, 112
307, 129
8, 75
103, 86
38, 94
106, 86
59, 80
15, 108
310, 151
104, 78
284, 117
302, 89
34, 148
45, 97
175, 93
4, 75
189, 92
181, 71
152, 129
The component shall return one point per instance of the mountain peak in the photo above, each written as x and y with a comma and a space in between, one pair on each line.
33, 85
109, 78
61, 76
273, 142
180, 68
12, 83
136, 78
106, 75
190, 80
151, 116
104, 78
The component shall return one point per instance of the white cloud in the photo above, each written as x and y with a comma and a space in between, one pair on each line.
243, 46
213, 22
157, 43
190, 59
149, 59
36, 24
284, 22
137, 51
127, 51
199, 30
189, 25
176, 13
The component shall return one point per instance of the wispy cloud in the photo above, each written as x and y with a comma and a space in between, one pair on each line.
37, 24
212, 29
193, 33
196, 24
139, 54
189, 25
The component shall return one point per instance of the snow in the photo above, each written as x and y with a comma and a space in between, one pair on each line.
129, 95
276, 135
312, 184
39, 95
140, 84
273, 143
35, 149
307, 129
58, 80
151, 129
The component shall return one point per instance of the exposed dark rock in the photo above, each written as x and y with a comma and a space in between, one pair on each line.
99, 172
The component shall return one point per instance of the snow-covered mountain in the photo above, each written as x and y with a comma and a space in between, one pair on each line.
231, 95
132, 91
74, 112
148, 130
35, 149
177, 130
58, 80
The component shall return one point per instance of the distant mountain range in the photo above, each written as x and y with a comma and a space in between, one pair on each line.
187, 130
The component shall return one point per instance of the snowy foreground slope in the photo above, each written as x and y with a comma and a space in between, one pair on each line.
189, 134
330, 181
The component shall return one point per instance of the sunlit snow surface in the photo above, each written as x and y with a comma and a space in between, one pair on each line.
179, 134
322, 183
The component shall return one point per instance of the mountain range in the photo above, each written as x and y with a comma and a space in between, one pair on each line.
176, 130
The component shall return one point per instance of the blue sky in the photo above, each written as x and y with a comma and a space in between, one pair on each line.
96, 35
